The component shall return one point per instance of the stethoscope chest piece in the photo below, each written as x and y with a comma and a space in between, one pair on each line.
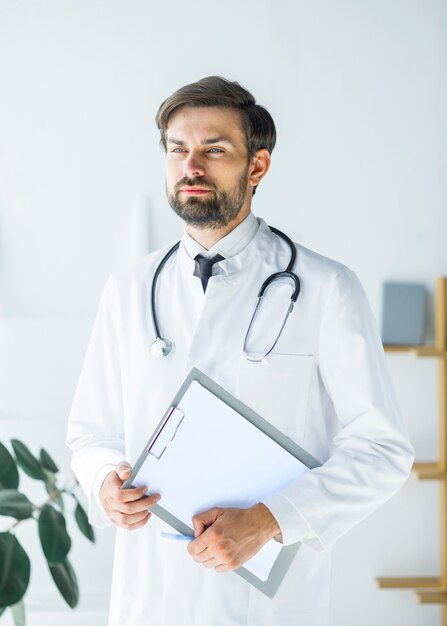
161, 347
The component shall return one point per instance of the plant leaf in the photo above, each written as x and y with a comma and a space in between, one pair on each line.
15, 570
50, 487
18, 613
15, 504
55, 540
66, 581
48, 462
54, 492
83, 523
59, 501
9, 476
27, 461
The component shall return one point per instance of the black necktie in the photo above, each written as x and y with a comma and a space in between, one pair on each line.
206, 268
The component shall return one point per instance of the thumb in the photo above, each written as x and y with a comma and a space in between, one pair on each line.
201, 521
123, 470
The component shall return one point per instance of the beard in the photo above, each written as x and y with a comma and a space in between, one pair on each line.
218, 208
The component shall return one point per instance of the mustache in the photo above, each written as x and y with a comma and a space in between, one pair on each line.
191, 182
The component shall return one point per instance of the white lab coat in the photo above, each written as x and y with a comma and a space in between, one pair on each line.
326, 386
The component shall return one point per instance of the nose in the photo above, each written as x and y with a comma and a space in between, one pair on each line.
193, 165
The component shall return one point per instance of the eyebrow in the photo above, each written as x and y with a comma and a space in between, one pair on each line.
211, 140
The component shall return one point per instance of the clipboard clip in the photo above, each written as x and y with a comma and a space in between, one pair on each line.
166, 433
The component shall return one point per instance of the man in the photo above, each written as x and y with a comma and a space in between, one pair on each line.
325, 385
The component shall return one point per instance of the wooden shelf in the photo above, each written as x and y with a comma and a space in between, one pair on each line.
421, 351
432, 590
410, 583
432, 597
430, 471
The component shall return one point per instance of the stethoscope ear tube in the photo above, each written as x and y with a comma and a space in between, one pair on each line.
291, 246
258, 358
286, 274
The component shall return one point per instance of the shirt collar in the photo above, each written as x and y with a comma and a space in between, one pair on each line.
228, 246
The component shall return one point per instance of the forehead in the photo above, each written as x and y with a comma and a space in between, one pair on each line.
205, 122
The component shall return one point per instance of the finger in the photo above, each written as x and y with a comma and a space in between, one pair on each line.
198, 554
140, 523
203, 541
128, 495
143, 504
226, 567
209, 558
198, 524
126, 521
213, 562
197, 546
202, 520
123, 470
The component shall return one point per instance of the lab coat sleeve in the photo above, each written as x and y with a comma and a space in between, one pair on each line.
95, 429
371, 454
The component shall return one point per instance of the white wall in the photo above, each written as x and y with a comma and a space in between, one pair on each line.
358, 91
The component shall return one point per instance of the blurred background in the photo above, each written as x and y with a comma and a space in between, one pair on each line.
358, 91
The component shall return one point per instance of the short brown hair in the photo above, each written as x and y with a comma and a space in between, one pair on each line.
215, 91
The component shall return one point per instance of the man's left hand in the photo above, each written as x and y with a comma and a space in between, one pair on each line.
227, 538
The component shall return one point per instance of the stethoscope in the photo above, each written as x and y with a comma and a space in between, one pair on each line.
163, 346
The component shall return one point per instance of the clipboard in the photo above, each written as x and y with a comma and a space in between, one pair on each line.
197, 459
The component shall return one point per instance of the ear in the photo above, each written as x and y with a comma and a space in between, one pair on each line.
260, 165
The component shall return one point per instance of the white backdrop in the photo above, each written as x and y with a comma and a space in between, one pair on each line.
358, 91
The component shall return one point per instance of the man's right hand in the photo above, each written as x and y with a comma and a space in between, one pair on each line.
127, 508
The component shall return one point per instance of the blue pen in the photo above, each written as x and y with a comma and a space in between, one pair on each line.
176, 537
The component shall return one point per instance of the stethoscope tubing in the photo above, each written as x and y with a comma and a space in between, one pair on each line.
154, 287
162, 346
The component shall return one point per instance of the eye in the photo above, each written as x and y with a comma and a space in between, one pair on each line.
178, 150
215, 150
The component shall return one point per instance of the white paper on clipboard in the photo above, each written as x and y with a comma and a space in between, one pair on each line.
206, 454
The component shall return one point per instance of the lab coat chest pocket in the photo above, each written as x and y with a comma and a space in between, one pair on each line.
278, 390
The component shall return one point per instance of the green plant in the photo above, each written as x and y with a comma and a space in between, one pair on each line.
15, 565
